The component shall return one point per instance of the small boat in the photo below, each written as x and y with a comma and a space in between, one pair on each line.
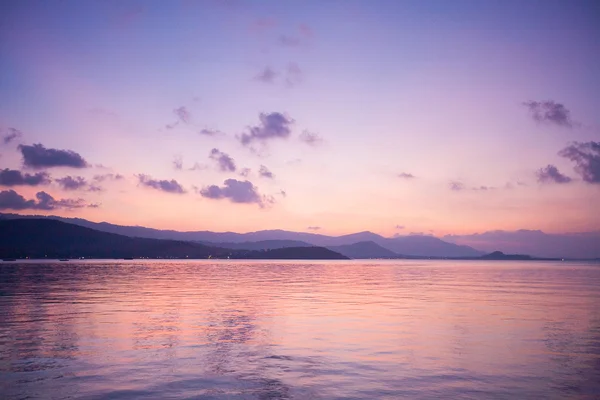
9, 259
128, 258
63, 259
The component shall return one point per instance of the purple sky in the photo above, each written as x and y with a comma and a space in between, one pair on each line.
444, 117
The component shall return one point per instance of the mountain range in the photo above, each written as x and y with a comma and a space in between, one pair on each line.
371, 245
381, 247
48, 238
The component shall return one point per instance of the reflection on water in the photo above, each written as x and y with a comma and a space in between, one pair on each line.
283, 330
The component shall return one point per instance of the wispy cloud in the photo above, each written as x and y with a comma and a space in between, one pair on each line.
551, 174
586, 157
169, 186
311, 138
107, 177
550, 112
37, 156
400, 227
13, 134
457, 186
314, 228
11, 177
405, 175
210, 132
223, 160
265, 173
178, 162
267, 75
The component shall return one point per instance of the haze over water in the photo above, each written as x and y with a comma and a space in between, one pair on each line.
303, 330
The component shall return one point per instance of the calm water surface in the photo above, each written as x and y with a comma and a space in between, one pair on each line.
302, 330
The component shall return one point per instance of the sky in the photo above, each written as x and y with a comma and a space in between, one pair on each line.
397, 117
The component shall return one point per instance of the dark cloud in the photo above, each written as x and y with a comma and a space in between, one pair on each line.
314, 228
72, 183
210, 132
37, 156
273, 125
265, 173
178, 163
405, 175
11, 177
171, 186
457, 186
586, 157
310, 138
225, 162
551, 174
11, 200
109, 177
550, 112
12, 134
267, 75
234, 190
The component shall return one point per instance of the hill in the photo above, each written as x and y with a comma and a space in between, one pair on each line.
48, 238
410, 245
367, 249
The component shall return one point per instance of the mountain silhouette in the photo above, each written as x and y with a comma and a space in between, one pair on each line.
49, 238
411, 245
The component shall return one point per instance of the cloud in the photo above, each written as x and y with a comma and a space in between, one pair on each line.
404, 175
245, 172
37, 156
586, 157
272, 125
210, 132
265, 173
314, 228
283, 193
551, 174
178, 163
11, 200
225, 162
289, 41
263, 24
267, 75
483, 188
105, 177
72, 183
11, 177
400, 227
12, 134
310, 138
550, 112
171, 186
305, 30
183, 114
457, 186
234, 190
198, 167
293, 74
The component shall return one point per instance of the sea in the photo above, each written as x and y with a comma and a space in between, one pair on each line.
368, 329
